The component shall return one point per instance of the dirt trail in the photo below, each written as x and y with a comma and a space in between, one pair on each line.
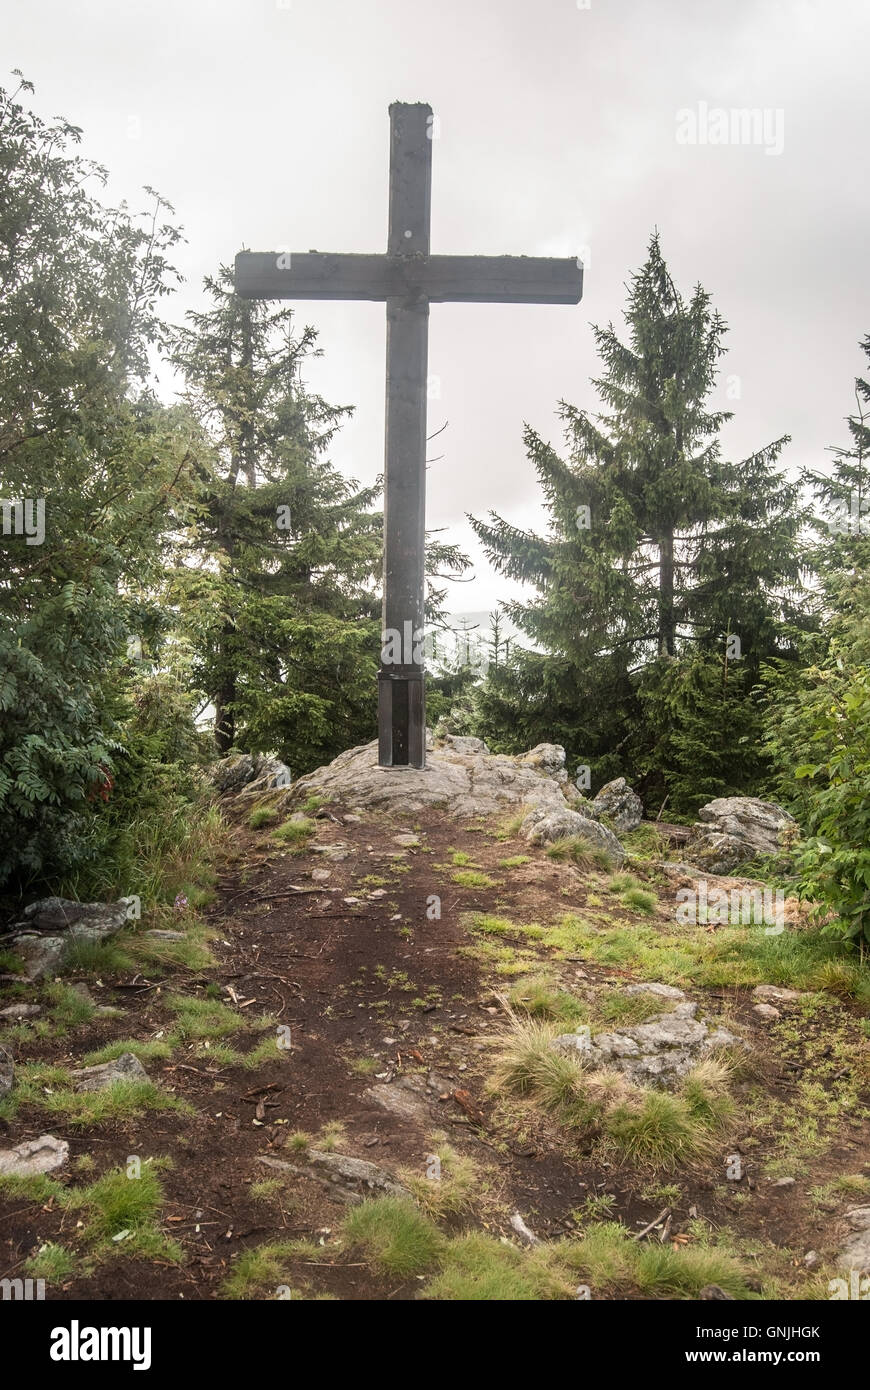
376, 991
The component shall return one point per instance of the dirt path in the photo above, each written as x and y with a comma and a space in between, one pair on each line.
376, 1020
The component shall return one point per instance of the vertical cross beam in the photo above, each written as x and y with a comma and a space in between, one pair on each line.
401, 690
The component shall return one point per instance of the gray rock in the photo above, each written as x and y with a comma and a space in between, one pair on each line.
544, 825
42, 1155
622, 806
159, 934
658, 1052
731, 829
404, 1098
353, 1179
712, 1292
766, 1011
127, 1067
548, 758
249, 772
461, 779
7, 1072
335, 853
21, 1011
41, 955
783, 1182
855, 1254
51, 926
775, 992
650, 987
464, 743
81, 921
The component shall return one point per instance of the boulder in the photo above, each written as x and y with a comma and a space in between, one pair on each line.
545, 824
50, 926
548, 758
658, 1052
41, 955
460, 777
622, 806
42, 1155
731, 829
127, 1067
251, 772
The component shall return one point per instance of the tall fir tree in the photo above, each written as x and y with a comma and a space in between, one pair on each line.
281, 606
668, 573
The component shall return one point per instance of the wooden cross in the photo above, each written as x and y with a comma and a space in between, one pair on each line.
409, 280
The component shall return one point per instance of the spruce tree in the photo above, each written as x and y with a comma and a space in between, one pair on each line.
278, 594
668, 573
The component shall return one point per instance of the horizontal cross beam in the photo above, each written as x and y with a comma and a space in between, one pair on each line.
438, 279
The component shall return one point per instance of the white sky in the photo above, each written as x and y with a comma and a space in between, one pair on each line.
265, 123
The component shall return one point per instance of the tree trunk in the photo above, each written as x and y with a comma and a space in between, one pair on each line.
667, 624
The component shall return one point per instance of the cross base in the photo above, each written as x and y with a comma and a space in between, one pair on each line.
401, 719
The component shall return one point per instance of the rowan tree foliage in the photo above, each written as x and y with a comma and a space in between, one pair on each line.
660, 552
82, 439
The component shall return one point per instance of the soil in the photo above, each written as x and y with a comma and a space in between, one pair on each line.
375, 979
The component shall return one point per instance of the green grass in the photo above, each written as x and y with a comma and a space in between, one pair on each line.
53, 1263
295, 834
540, 997
68, 1008
50, 1089
116, 1204
516, 861
152, 1050
576, 850
398, 1239
640, 900
473, 878
454, 1192
203, 1018
262, 815
653, 1129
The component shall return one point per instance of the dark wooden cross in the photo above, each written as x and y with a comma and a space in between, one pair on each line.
409, 280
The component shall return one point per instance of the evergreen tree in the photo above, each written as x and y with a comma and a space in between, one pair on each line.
90, 463
280, 606
660, 554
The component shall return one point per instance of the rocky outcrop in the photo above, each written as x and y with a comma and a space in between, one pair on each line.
658, 1052
543, 826
462, 777
622, 807
249, 772
732, 829
49, 927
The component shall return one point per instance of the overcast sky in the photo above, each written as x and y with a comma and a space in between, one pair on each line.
264, 122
